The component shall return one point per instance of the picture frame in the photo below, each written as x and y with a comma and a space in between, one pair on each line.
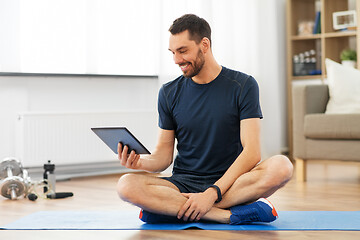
344, 19
305, 27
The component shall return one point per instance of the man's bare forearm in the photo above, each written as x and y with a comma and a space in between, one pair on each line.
155, 162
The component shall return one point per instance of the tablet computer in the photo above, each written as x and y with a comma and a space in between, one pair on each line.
111, 136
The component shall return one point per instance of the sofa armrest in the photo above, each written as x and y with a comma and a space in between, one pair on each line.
316, 97
306, 99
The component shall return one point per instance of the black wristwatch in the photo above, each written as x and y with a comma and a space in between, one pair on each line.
218, 193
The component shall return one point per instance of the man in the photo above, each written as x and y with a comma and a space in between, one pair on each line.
214, 113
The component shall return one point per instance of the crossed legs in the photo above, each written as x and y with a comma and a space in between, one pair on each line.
161, 196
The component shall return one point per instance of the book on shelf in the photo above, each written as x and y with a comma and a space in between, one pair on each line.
317, 25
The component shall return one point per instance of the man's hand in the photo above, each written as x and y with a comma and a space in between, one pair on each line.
128, 160
197, 205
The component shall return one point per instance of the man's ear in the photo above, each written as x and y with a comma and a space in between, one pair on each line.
205, 45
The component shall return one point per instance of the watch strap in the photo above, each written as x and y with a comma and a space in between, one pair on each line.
218, 193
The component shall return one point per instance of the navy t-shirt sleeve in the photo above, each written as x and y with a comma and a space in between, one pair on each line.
249, 104
165, 117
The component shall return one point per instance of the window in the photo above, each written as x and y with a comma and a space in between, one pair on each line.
83, 36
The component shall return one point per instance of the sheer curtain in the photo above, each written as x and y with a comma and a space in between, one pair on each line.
52, 36
119, 36
80, 36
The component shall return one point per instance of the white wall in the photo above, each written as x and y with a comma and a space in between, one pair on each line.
69, 94
272, 75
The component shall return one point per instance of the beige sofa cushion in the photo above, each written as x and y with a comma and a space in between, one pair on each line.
332, 126
323, 149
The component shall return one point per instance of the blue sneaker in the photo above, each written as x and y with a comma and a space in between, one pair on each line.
260, 211
150, 217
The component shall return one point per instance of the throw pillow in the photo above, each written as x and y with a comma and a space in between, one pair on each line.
344, 88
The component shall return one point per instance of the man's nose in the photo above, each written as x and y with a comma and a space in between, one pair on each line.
177, 58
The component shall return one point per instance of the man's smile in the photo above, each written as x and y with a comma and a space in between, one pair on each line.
184, 66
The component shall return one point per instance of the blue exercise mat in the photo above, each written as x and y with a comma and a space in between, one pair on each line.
128, 220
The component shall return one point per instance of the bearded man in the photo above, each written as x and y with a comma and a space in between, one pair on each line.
214, 114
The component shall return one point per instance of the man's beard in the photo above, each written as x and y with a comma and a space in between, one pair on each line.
197, 66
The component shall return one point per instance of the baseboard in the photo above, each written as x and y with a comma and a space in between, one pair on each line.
66, 172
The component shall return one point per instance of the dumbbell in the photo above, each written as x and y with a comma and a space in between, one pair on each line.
14, 184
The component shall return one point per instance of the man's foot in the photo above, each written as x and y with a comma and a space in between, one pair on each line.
260, 211
149, 217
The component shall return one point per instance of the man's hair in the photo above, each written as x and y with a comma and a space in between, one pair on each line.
198, 27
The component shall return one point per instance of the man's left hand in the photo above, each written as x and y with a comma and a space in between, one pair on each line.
197, 205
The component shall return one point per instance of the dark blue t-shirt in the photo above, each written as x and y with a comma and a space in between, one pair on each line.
206, 119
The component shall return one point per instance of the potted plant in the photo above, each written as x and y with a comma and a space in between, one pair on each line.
348, 57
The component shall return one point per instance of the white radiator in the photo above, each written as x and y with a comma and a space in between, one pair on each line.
66, 138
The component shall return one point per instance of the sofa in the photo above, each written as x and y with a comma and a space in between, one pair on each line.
318, 136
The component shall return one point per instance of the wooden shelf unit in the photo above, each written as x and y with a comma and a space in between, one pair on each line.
327, 44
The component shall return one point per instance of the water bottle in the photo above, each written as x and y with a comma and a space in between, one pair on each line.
49, 177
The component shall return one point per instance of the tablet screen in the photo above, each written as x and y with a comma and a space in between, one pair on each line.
111, 136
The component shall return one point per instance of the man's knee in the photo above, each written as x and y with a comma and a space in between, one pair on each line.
127, 185
286, 167
280, 170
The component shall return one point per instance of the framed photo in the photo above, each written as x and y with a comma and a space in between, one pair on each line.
344, 19
305, 27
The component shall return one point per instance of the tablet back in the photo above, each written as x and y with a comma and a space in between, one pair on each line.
111, 136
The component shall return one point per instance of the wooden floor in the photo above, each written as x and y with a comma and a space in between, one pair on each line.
329, 187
